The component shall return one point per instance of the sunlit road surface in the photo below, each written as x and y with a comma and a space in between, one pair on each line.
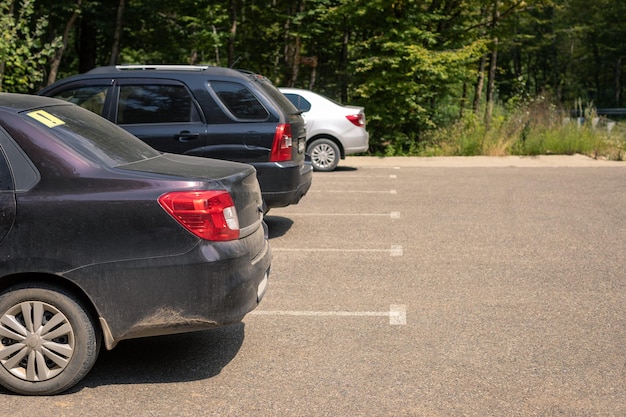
407, 287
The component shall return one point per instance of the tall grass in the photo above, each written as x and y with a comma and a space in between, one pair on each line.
537, 128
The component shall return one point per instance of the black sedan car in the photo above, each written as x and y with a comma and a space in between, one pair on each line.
102, 239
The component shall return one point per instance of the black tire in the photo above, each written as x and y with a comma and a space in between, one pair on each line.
325, 155
48, 342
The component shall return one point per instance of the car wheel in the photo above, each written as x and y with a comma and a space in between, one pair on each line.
47, 340
325, 154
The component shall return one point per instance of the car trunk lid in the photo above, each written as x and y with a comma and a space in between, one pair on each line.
203, 173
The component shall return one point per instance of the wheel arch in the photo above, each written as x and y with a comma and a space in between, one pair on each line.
329, 137
55, 282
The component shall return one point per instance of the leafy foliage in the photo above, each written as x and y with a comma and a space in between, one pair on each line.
22, 53
418, 67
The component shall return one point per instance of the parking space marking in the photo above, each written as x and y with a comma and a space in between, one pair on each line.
354, 191
393, 214
395, 250
360, 177
396, 314
384, 167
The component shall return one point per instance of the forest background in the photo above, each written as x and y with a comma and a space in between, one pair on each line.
438, 77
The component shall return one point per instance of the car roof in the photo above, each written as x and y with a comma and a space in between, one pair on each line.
185, 69
15, 103
294, 89
178, 71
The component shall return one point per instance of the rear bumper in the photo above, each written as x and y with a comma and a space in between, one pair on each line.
213, 285
283, 184
357, 142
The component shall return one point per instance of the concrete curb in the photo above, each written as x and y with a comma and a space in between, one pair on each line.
542, 161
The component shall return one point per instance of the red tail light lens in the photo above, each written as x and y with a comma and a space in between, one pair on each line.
357, 119
283, 142
210, 215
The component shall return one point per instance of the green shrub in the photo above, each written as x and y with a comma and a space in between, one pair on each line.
535, 128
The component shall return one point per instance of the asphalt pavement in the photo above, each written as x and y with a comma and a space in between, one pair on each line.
407, 287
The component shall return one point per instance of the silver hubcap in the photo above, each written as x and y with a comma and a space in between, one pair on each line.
36, 341
323, 155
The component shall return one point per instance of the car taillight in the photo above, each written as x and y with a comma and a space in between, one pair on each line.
210, 215
283, 142
357, 119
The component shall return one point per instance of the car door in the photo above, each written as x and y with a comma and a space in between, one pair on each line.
7, 196
162, 113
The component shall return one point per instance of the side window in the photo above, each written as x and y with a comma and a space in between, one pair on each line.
240, 101
25, 175
300, 102
89, 97
6, 179
156, 104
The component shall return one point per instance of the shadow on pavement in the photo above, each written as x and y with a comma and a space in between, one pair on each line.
166, 359
341, 168
277, 225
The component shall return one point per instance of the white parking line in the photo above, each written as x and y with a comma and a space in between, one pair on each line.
354, 191
393, 251
393, 214
396, 251
396, 314
361, 177
384, 167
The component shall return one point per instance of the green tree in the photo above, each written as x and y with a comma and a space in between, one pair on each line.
414, 65
22, 53
55, 62
408, 69
598, 50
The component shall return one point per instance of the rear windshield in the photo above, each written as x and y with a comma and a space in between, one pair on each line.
278, 97
239, 101
91, 135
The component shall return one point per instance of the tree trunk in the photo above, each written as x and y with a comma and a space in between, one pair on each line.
55, 62
491, 82
295, 62
493, 65
343, 65
117, 35
87, 45
463, 100
313, 77
233, 33
293, 44
618, 82
480, 78
480, 82
217, 48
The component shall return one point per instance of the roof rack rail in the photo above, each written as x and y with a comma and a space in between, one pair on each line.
253, 74
163, 67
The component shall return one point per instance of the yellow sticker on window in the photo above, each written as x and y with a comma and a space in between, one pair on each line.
46, 118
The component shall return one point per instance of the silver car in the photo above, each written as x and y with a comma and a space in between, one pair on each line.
333, 130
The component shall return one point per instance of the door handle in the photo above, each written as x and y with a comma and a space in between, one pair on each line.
186, 136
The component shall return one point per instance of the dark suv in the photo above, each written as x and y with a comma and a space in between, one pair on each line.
204, 111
